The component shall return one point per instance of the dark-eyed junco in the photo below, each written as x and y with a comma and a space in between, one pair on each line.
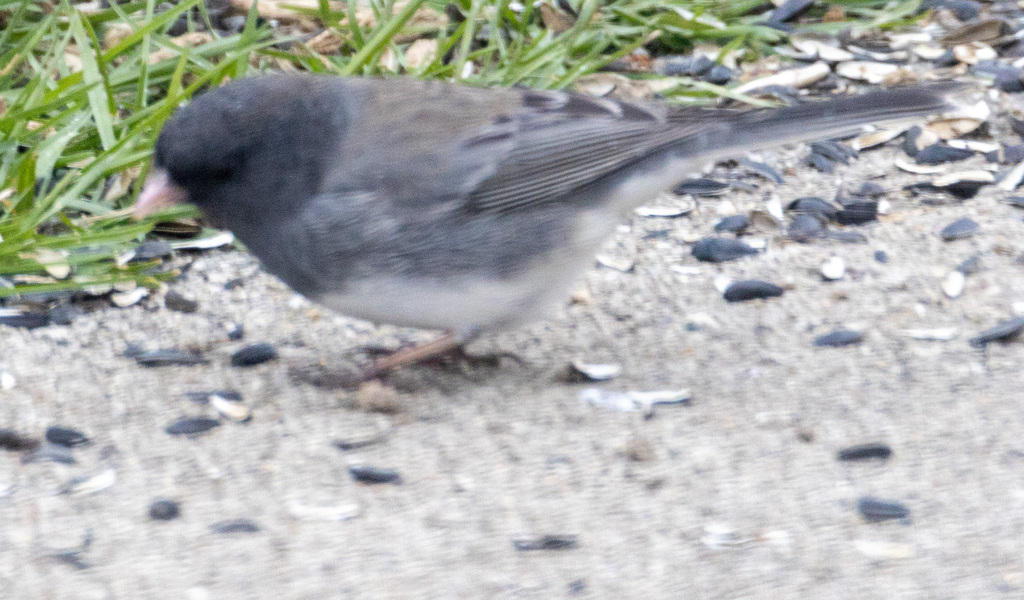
443, 206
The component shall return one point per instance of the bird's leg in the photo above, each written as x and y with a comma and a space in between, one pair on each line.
449, 342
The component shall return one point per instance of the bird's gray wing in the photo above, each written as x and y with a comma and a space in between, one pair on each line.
427, 144
499, 150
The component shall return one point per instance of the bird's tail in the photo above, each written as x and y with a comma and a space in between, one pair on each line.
756, 129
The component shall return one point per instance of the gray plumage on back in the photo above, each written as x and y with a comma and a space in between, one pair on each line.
438, 205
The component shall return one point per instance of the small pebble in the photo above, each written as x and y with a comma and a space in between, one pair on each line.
953, 284
192, 426
235, 526
253, 355
970, 266
881, 257
65, 436
373, 396
874, 510
370, 474
865, 452
751, 289
546, 542
718, 75
715, 249
839, 338
833, 269
236, 331
1003, 332
175, 301
958, 230
880, 550
164, 510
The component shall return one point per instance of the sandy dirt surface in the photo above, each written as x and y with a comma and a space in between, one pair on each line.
737, 495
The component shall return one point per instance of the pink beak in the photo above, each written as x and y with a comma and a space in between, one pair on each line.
158, 193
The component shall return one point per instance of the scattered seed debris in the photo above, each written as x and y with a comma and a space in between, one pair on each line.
633, 401
304, 512
82, 486
579, 371
230, 404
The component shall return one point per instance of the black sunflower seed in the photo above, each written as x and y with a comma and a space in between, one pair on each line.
714, 249
813, 205
1003, 332
16, 442
371, 474
735, 224
875, 510
751, 289
865, 452
255, 354
169, 357
939, 153
192, 426
546, 542
702, 186
838, 338
65, 436
25, 320
856, 213
236, 526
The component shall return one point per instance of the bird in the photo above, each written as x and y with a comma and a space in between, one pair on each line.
443, 206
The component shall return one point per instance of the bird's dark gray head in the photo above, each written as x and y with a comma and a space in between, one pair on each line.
250, 146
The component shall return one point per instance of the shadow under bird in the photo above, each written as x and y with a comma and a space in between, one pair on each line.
442, 206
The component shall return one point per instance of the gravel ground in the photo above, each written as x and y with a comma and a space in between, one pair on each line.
737, 495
